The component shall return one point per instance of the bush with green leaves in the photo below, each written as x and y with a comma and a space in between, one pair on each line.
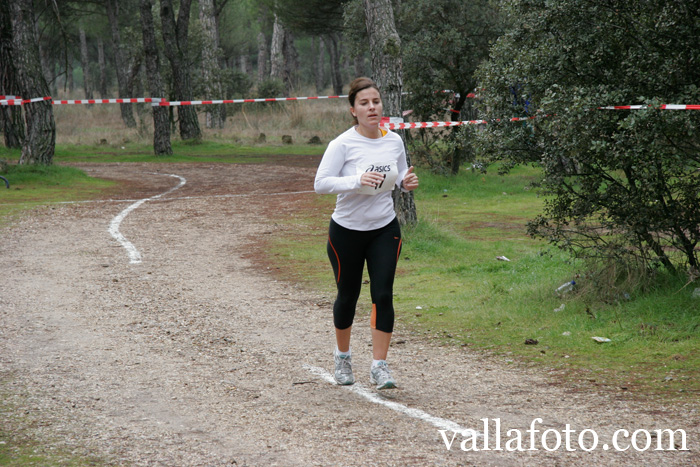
620, 184
235, 85
270, 88
444, 41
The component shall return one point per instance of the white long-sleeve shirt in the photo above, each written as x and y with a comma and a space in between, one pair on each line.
345, 160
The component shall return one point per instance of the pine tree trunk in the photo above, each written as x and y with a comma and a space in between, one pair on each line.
359, 65
121, 67
133, 84
103, 68
262, 57
385, 50
210, 63
334, 54
345, 58
10, 115
276, 51
161, 117
12, 124
48, 65
462, 110
291, 62
176, 44
40, 141
85, 63
318, 52
69, 73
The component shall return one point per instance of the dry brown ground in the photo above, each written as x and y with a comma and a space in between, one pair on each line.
198, 356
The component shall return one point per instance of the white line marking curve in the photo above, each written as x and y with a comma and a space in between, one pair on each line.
134, 255
358, 389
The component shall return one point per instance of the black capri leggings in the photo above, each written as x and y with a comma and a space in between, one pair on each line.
348, 250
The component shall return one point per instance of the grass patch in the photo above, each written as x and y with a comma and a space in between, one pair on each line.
209, 151
467, 297
19, 448
33, 185
183, 152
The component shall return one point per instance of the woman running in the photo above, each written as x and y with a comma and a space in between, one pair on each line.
362, 166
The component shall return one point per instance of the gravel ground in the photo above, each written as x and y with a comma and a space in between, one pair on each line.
198, 356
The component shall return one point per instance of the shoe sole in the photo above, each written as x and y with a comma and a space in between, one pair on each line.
387, 385
347, 383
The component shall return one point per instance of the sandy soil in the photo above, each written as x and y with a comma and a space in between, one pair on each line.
198, 356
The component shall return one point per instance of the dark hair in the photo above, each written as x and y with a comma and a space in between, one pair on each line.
357, 85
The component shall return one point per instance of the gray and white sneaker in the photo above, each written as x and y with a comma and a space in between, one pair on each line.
343, 370
381, 376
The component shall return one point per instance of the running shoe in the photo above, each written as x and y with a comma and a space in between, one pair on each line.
381, 376
343, 370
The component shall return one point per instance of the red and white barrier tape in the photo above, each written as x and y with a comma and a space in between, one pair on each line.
396, 125
158, 101
389, 123
20, 101
415, 125
126, 100
242, 101
662, 107
17, 100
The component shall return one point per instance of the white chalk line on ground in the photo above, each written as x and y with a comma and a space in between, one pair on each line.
134, 254
358, 389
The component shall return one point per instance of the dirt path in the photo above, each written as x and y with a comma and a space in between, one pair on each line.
196, 357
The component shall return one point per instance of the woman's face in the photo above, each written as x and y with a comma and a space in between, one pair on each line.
368, 107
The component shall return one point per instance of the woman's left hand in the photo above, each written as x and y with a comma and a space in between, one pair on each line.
410, 181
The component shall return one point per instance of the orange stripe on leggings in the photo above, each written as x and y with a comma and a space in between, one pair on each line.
373, 317
398, 252
336, 257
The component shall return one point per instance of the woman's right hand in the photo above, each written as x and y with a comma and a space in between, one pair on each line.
373, 179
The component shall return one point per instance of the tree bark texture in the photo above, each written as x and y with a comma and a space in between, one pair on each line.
10, 115
121, 67
133, 83
40, 140
332, 44
284, 59
49, 64
385, 51
161, 116
358, 63
463, 110
318, 47
276, 51
215, 117
85, 63
262, 57
103, 67
69, 72
291, 62
175, 38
